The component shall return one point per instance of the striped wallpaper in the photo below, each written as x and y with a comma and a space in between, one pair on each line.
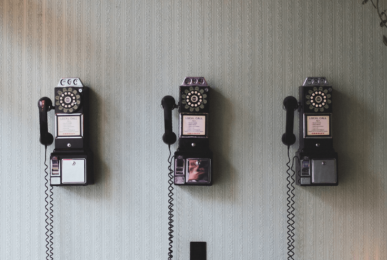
252, 53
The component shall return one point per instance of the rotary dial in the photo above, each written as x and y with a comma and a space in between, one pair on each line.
68, 100
194, 99
318, 99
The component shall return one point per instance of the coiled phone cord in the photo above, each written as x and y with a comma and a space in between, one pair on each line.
49, 211
170, 204
290, 192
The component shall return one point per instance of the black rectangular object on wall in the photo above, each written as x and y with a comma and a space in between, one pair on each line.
198, 251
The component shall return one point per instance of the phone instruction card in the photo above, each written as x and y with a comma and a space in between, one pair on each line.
69, 125
194, 125
318, 125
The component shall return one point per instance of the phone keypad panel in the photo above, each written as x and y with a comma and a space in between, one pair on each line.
68, 99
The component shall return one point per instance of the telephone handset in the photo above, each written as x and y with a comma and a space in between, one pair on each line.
317, 160
71, 160
193, 158
290, 104
168, 103
44, 105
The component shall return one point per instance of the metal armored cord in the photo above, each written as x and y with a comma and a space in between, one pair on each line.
290, 204
170, 204
49, 211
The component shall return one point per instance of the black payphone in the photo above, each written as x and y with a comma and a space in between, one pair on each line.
193, 158
316, 160
71, 161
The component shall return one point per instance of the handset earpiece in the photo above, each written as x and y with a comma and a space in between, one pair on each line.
44, 105
168, 103
290, 104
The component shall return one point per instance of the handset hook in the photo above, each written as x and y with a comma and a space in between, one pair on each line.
168, 103
44, 105
290, 104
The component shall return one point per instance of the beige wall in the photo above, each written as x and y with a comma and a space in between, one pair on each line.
253, 53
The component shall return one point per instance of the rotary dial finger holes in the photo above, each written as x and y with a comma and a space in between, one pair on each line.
194, 99
68, 99
318, 100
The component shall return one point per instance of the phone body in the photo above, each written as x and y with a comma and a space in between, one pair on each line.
193, 160
318, 161
71, 162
